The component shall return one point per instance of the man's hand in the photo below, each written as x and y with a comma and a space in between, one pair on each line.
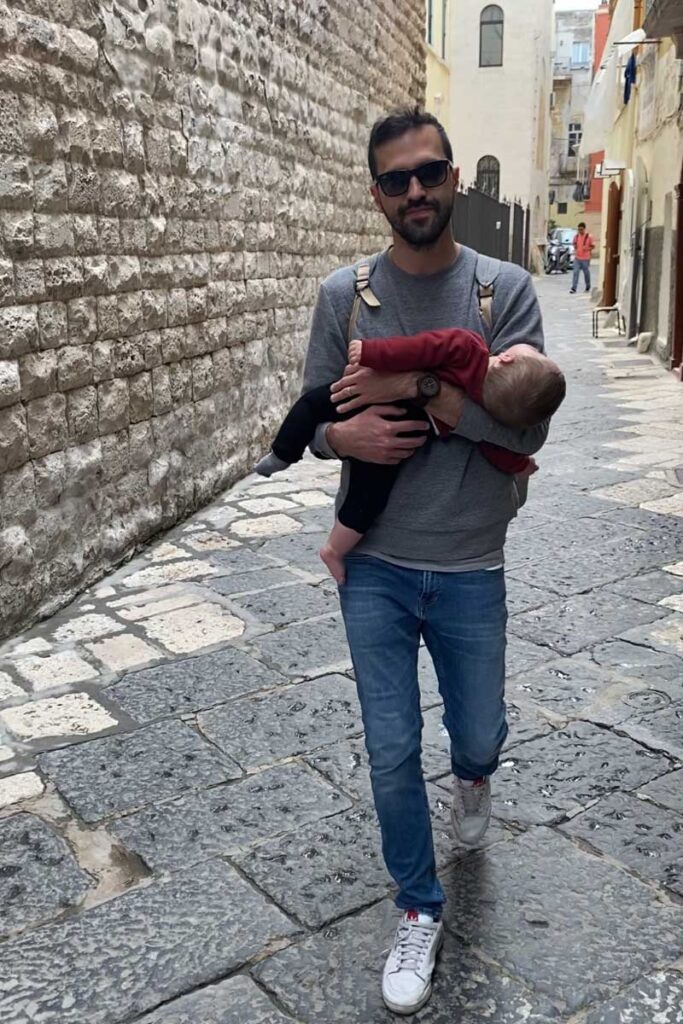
355, 352
371, 437
362, 386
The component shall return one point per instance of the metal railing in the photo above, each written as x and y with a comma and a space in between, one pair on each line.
491, 226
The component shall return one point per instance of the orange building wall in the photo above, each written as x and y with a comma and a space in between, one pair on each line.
601, 31
593, 205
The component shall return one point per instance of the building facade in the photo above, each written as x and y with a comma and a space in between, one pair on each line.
437, 37
572, 76
176, 179
636, 113
594, 183
500, 76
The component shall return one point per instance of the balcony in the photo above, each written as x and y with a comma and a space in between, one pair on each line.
665, 18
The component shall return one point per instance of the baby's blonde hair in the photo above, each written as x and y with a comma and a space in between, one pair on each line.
524, 392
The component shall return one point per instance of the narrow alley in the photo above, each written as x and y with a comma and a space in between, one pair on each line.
185, 801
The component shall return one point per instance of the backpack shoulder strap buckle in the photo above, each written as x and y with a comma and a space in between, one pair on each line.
488, 269
363, 271
363, 293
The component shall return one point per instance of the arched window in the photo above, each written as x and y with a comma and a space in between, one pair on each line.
488, 176
491, 37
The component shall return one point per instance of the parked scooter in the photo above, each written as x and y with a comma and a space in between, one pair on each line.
557, 258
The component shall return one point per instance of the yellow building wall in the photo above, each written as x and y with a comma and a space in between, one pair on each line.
570, 219
437, 94
437, 97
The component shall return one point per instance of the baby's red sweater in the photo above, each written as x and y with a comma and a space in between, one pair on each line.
457, 356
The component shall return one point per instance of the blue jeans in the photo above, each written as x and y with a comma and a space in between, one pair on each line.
581, 267
462, 617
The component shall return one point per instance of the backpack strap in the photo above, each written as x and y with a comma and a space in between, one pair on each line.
363, 293
487, 271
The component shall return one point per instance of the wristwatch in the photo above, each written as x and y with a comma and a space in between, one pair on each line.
428, 387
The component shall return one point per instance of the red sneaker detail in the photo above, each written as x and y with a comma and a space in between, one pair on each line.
479, 782
412, 915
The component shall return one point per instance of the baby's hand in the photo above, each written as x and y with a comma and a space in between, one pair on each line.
355, 351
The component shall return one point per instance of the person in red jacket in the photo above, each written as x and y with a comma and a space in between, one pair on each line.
520, 387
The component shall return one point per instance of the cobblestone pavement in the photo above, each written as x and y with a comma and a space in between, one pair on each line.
186, 832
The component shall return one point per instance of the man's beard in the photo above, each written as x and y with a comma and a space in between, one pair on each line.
421, 236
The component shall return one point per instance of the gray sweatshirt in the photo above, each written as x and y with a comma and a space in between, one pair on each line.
450, 508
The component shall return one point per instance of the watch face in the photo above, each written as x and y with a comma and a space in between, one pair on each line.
430, 386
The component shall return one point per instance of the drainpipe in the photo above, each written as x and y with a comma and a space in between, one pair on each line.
677, 348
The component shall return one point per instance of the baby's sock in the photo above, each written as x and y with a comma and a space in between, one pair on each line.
270, 464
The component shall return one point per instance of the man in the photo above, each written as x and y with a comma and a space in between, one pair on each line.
431, 565
583, 250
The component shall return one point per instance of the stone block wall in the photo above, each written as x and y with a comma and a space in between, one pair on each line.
176, 176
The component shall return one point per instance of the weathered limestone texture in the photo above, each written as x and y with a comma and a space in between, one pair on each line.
175, 178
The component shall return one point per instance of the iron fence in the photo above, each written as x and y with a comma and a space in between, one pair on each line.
491, 226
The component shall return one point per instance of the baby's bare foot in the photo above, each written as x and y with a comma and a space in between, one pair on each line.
334, 562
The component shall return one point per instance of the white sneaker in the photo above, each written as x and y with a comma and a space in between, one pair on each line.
407, 978
471, 809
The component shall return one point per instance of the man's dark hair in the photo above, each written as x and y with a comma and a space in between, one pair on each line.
582, 223
396, 124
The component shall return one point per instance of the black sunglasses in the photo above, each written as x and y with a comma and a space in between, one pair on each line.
431, 175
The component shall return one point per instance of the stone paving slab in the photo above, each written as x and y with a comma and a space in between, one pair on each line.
639, 518
651, 587
193, 684
520, 596
546, 779
228, 819
578, 687
240, 560
235, 1001
660, 730
306, 650
121, 773
301, 549
665, 635
583, 567
522, 656
17, 788
666, 790
564, 538
574, 505
572, 573
637, 833
52, 721
127, 956
323, 871
288, 604
655, 999
647, 664
39, 876
525, 723
582, 621
334, 978
572, 926
252, 582
255, 731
